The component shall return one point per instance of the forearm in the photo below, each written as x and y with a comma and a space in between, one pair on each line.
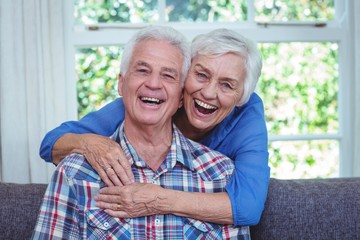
209, 207
68, 143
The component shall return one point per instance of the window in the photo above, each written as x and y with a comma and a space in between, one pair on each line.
303, 82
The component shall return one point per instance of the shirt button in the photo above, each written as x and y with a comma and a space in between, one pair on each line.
157, 222
106, 225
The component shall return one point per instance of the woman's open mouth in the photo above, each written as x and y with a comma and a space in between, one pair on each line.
203, 107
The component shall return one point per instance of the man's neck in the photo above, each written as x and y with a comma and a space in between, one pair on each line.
151, 143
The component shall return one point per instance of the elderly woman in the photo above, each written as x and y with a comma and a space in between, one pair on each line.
220, 110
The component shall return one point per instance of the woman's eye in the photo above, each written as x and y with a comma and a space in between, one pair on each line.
227, 85
202, 75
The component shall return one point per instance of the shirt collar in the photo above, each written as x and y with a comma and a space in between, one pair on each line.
179, 149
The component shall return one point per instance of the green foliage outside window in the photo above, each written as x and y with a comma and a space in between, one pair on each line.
299, 87
97, 72
146, 11
299, 80
111, 11
293, 10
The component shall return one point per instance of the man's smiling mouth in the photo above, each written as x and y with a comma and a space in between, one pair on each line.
151, 100
204, 108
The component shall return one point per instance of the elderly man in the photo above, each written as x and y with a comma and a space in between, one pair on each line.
153, 70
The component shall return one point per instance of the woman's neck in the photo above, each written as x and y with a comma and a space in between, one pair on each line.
182, 122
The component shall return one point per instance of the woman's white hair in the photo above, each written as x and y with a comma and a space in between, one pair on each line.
161, 33
222, 41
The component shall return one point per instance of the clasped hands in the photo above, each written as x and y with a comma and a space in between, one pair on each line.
123, 198
129, 201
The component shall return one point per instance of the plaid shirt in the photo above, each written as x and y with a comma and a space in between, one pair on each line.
68, 210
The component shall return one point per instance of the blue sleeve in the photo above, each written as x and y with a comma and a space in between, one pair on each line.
242, 136
102, 122
249, 184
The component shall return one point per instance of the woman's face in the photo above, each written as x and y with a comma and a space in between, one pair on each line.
213, 88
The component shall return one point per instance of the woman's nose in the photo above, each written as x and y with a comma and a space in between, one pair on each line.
210, 90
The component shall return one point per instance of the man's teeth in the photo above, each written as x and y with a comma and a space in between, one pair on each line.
204, 105
151, 100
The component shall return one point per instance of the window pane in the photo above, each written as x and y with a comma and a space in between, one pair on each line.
299, 86
294, 10
206, 11
115, 11
304, 159
97, 72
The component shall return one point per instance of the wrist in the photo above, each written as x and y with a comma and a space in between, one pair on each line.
166, 201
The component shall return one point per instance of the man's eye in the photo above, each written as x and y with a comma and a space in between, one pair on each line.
142, 70
169, 76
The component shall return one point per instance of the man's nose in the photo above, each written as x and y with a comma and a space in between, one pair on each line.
154, 81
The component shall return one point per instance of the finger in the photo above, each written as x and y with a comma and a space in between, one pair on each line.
128, 177
111, 174
103, 175
103, 205
117, 207
117, 214
121, 173
107, 205
107, 198
112, 190
101, 169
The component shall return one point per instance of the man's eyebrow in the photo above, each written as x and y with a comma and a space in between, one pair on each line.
142, 63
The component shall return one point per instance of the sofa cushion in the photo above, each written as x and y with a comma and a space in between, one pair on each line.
295, 209
19, 207
311, 209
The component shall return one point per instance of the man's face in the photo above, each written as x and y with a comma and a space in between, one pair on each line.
214, 86
151, 88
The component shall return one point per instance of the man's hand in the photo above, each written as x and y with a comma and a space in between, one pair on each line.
134, 200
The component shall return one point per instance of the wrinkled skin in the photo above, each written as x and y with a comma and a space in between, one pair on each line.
134, 200
107, 158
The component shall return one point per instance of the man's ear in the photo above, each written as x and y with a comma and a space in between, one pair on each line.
120, 83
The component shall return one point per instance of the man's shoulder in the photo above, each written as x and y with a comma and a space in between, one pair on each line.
76, 166
208, 162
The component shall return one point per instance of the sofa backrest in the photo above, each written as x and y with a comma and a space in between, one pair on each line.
295, 209
19, 207
311, 209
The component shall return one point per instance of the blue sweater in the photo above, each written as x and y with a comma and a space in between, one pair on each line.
242, 136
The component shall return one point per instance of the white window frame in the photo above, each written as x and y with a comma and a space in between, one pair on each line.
339, 30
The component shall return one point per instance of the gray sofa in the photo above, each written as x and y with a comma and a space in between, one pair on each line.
295, 209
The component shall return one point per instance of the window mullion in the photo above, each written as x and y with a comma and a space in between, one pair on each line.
250, 11
161, 9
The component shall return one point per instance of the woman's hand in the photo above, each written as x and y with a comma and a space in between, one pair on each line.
144, 199
103, 154
134, 200
107, 158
